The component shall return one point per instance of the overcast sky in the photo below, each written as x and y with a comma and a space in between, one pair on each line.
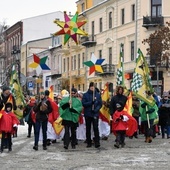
12, 11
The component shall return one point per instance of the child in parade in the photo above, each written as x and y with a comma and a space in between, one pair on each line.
123, 124
8, 123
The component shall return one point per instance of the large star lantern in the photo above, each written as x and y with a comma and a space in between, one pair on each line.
94, 64
70, 28
39, 64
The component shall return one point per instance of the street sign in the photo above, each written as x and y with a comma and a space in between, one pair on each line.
30, 85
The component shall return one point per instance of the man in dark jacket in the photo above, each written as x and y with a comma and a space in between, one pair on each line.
42, 111
92, 103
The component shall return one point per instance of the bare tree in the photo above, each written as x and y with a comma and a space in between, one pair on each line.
159, 45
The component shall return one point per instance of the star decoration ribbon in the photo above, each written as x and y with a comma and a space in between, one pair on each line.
94, 64
39, 63
70, 28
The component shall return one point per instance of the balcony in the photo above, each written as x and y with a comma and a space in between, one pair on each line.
88, 41
108, 69
150, 21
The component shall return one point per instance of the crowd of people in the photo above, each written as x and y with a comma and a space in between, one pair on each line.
79, 115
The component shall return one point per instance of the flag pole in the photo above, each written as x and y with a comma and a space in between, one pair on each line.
70, 74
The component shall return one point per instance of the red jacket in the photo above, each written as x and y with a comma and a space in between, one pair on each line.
130, 126
7, 121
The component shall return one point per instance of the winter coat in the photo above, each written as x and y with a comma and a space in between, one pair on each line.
7, 121
92, 103
42, 110
153, 111
164, 116
130, 125
117, 99
70, 115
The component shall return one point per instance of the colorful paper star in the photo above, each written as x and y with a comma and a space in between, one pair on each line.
70, 28
39, 62
94, 64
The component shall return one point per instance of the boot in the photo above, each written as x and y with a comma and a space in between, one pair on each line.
150, 139
147, 139
116, 145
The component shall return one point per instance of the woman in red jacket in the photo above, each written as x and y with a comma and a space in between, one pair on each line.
8, 123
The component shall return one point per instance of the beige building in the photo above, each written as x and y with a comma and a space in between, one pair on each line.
110, 23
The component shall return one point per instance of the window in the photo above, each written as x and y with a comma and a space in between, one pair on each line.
110, 20
82, 7
110, 55
75, 62
83, 59
133, 12
100, 25
64, 64
100, 54
78, 61
123, 16
92, 29
156, 8
122, 45
132, 51
68, 64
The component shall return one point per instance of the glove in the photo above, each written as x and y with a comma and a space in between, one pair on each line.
121, 117
65, 106
150, 111
143, 105
73, 110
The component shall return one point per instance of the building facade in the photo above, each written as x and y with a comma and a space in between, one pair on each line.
116, 22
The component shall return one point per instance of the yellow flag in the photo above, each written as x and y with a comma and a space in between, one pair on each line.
104, 111
51, 90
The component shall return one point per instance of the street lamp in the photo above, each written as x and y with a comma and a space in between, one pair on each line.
16, 51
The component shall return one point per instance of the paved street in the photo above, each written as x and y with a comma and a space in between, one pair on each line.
136, 155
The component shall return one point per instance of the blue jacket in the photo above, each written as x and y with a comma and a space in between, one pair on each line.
91, 109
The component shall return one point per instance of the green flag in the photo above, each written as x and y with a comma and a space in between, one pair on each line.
120, 71
17, 93
141, 83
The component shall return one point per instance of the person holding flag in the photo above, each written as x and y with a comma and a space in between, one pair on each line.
70, 110
92, 104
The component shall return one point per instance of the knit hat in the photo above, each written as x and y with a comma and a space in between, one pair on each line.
91, 84
7, 105
74, 90
5, 88
47, 92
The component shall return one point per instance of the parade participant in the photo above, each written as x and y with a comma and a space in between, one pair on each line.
136, 113
92, 103
42, 111
123, 124
8, 123
70, 110
119, 97
5, 96
27, 114
148, 115
81, 129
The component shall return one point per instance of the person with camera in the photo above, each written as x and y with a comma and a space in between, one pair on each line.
42, 111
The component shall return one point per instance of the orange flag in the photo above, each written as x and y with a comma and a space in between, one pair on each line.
128, 105
104, 111
51, 90
9, 101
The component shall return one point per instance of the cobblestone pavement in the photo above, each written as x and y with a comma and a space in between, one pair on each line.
136, 155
